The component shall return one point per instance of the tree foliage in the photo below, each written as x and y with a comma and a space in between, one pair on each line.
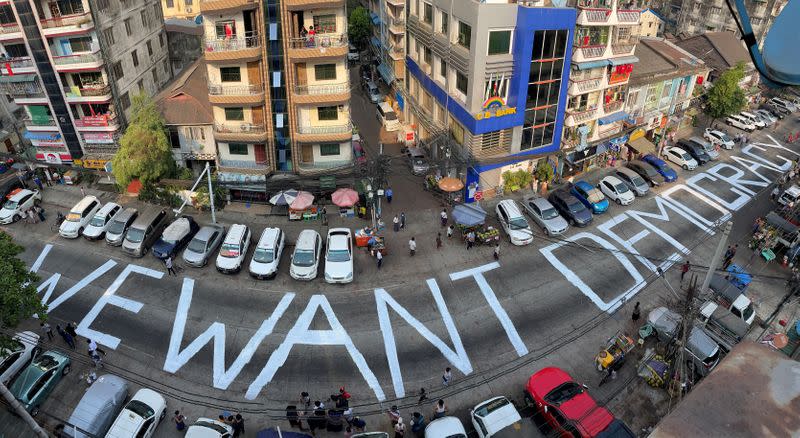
19, 299
359, 27
726, 97
144, 152
513, 181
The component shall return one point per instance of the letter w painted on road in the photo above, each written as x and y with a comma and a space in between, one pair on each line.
216, 332
458, 358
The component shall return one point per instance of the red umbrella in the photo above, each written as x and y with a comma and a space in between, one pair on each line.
302, 201
344, 197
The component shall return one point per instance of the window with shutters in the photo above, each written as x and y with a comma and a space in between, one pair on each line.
490, 140
324, 72
328, 149
125, 101
327, 113
128, 28
149, 48
119, 73
108, 35
145, 20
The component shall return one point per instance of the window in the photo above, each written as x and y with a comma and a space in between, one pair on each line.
427, 55
128, 28
119, 73
155, 76
188, 2
145, 21
327, 113
161, 40
499, 42
328, 149
234, 114
135, 57
170, 3
427, 13
16, 50
125, 101
140, 84
325, 23
544, 86
445, 23
461, 82
225, 29
237, 149
108, 35
443, 68
82, 44
230, 74
464, 34
324, 72
456, 131
149, 48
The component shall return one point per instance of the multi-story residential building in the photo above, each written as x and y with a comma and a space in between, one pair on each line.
691, 17
493, 75
650, 24
180, 9
279, 88
388, 44
660, 90
75, 68
602, 62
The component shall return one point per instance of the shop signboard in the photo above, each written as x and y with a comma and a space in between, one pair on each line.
98, 138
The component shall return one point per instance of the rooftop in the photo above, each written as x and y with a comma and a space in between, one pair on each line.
719, 50
660, 59
185, 100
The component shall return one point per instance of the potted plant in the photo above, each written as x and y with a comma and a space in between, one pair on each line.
544, 173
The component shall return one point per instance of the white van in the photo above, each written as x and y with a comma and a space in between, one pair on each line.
740, 122
100, 222
233, 249
790, 195
79, 217
267, 255
387, 117
754, 119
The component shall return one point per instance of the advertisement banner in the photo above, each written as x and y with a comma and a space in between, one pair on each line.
98, 138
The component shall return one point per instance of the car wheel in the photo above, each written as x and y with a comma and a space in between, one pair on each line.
685, 167
34, 411
15, 218
547, 232
619, 201
163, 414
66, 370
80, 231
572, 222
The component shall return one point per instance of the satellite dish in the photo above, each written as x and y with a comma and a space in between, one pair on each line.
780, 46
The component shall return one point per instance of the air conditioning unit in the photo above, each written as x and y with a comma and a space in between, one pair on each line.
246, 127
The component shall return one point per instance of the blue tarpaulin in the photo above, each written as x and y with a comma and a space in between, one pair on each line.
616, 117
469, 214
623, 60
591, 64
376, 20
375, 42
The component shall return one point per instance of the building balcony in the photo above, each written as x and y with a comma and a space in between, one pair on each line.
397, 3
40, 124
324, 166
589, 52
624, 48
612, 107
241, 132
18, 65
318, 46
322, 94
301, 5
248, 94
10, 31
397, 26
67, 24
25, 92
618, 78
324, 133
100, 122
246, 48
583, 86
244, 164
226, 5
79, 62
595, 17
88, 94
628, 16
576, 117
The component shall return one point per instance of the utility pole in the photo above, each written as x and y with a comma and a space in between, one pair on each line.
717, 256
19, 410
688, 324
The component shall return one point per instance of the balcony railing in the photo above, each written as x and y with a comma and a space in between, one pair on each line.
20, 62
67, 20
329, 129
587, 84
88, 90
628, 16
235, 90
80, 58
22, 90
243, 164
101, 120
239, 128
597, 15
9, 28
232, 44
322, 89
580, 116
612, 107
326, 164
319, 41
594, 51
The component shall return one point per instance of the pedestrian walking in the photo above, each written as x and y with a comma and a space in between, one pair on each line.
684, 269
412, 247
324, 215
71, 330
470, 240
319, 405
399, 428
38, 182
440, 410
180, 421
342, 398
394, 414
93, 347
396, 223
379, 257
66, 336
47, 330
305, 400
422, 396
317, 420
438, 240
238, 425
443, 216
450, 230
636, 312
83, 192
402, 220
389, 194
170, 268
446, 376
417, 424
497, 251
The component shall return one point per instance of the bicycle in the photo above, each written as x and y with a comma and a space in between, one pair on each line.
56, 225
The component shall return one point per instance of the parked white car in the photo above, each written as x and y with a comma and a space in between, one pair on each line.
513, 222
102, 219
208, 428
78, 218
680, 157
718, 138
305, 258
22, 350
445, 427
492, 416
267, 254
740, 122
18, 203
754, 119
339, 256
233, 249
616, 190
140, 417
767, 116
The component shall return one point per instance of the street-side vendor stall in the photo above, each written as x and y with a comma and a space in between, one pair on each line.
303, 208
345, 199
471, 217
371, 239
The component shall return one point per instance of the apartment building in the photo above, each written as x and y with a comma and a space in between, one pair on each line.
74, 67
602, 62
388, 44
650, 24
492, 75
279, 89
180, 9
691, 17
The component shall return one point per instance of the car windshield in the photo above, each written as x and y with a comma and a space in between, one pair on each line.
116, 227
221, 430
168, 241
45, 362
98, 221
11, 205
390, 116
230, 250
518, 223
140, 409
621, 188
264, 255
303, 258
338, 255
748, 312
490, 407
637, 181
563, 392
134, 235
549, 213
575, 207
725, 138
686, 156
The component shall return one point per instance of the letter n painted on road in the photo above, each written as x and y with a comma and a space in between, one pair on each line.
457, 358
300, 334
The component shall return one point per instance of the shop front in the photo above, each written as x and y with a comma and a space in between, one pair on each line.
598, 155
638, 145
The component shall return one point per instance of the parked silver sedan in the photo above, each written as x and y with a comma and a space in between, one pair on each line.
203, 245
545, 215
633, 181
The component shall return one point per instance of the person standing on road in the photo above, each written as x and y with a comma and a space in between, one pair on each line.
447, 376
379, 257
396, 223
394, 414
47, 330
443, 216
470, 239
402, 220
497, 251
399, 428
180, 421
83, 192
66, 336
450, 230
98, 361
238, 426
438, 240
684, 269
775, 192
71, 330
440, 410
389, 194
305, 400
636, 312
94, 348
170, 268
417, 424
324, 215
38, 182
412, 247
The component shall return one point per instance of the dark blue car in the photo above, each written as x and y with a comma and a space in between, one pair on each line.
589, 196
661, 167
571, 208
175, 237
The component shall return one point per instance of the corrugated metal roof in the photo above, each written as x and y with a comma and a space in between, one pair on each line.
185, 100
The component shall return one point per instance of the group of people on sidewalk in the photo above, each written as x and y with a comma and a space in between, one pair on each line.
337, 418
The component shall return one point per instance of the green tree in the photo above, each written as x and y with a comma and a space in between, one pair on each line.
144, 152
726, 97
359, 27
19, 299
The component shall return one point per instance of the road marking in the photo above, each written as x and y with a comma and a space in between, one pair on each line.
42, 255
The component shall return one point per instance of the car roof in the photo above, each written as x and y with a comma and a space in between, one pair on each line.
794, 190
83, 203
444, 427
546, 379
583, 185
613, 180
511, 207
206, 231
563, 195
235, 233
676, 149
268, 236
540, 202
106, 209
337, 241
627, 171
20, 194
306, 239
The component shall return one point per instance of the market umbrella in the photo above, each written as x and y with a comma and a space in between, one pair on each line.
344, 197
449, 184
284, 197
469, 215
302, 201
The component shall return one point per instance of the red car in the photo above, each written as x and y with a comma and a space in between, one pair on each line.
568, 408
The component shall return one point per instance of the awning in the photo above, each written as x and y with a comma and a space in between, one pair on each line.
591, 64
642, 145
616, 117
623, 60
386, 73
469, 214
6, 79
375, 42
376, 20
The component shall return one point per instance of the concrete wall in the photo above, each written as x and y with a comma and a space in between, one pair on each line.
308, 116
185, 47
